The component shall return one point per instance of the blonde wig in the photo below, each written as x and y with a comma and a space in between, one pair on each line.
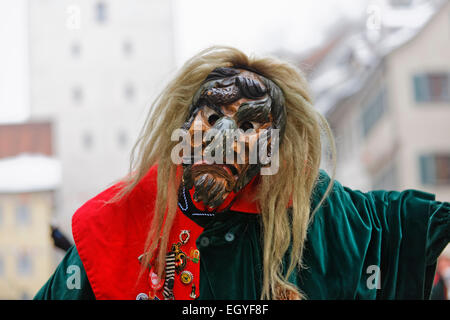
300, 156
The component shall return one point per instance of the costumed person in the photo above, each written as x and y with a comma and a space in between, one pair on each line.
441, 284
200, 229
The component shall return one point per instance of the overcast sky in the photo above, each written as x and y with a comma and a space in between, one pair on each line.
258, 26
254, 26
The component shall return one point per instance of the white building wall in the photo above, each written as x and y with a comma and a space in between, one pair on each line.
101, 70
350, 169
14, 72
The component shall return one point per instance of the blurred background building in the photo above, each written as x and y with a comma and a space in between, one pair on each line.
107, 60
29, 177
78, 77
385, 90
89, 70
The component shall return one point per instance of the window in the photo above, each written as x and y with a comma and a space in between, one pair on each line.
23, 215
373, 112
77, 94
87, 140
435, 169
25, 296
101, 14
127, 48
24, 264
122, 139
2, 266
432, 87
75, 49
129, 91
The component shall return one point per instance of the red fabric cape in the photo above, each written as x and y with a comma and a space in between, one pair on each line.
110, 238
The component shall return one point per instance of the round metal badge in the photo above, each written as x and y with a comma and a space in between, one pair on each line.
142, 296
186, 277
195, 255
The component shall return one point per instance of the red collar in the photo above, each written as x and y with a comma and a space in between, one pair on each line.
110, 237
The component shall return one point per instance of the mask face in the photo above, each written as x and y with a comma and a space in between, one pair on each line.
233, 113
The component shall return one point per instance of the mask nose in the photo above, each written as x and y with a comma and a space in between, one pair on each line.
225, 123
223, 129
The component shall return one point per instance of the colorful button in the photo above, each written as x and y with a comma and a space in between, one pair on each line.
195, 255
204, 241
193, 295
184, 236
156, 283
186, 277
229, 237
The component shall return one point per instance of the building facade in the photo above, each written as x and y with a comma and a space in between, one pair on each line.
392, 128
419, 75
95, 67
26, 250
29, 177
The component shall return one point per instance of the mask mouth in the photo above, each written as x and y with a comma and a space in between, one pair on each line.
234, 171
204, 167
212, 182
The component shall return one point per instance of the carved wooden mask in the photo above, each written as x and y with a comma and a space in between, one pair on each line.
239, 107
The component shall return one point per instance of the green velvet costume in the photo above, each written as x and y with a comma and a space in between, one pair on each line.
352, 235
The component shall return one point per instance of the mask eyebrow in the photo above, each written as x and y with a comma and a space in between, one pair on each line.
250, 88
258, 111
214, 107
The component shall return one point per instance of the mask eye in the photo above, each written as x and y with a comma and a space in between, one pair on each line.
209, 115
213, 118
246, 125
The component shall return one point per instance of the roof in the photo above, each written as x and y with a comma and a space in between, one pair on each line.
346, 69
29, 173
27, 137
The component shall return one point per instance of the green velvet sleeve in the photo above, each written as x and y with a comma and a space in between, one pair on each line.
398, 234
68, 282
415, 230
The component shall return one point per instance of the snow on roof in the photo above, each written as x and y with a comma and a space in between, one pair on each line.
396, 40
28, 173
412, 16
341, 91
330, 77
344, 71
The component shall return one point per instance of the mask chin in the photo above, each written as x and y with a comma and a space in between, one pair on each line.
210, 189
212, 183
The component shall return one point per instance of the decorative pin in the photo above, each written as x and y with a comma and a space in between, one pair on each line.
176, 261
184, 236
195, 255
180, 258
193, 295
142, 296
186, 277
156, 283
170, 276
